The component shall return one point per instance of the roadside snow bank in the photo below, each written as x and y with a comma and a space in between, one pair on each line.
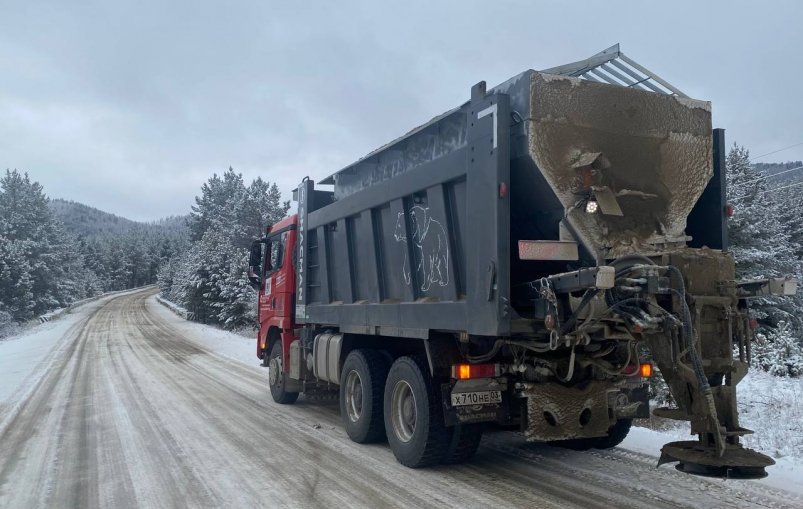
769, 405
60, 311
26, 356
786, 474
172, 306
228, 344
772, 407
22, 353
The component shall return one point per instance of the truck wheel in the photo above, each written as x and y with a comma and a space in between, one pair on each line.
277, 378
465, 441
616, 434
362, 383
413, 414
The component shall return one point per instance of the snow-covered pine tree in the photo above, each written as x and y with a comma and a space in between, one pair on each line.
209, 278
763, 243
758, 240
42, 268
220, 202
16, 286
791, 219
779, 352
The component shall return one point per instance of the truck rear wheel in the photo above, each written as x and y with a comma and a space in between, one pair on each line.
277, 378
616, 434
362, 383
465, 442
413, 415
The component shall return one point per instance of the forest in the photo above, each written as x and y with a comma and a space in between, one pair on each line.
53, 252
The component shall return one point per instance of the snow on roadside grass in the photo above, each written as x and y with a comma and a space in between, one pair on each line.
772, 407
22, 353
786, 474
26, 356
769, 405
180, 311
229, 344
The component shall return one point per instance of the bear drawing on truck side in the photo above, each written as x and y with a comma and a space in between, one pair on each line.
430, 248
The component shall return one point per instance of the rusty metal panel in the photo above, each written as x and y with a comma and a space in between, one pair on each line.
555, 412
548, 250
658, 148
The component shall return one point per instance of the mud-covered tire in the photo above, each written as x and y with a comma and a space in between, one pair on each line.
616, 434
277, 379
362, 388
413, 414
464, 443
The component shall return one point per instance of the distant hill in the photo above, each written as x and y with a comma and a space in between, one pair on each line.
87, 221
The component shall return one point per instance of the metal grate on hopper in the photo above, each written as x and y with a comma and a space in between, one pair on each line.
612, 66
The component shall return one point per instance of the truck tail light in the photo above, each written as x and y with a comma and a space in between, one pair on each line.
643, 369
466, 371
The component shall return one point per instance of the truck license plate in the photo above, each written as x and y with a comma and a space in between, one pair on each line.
476, 398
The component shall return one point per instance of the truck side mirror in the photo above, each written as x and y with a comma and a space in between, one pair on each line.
255, 265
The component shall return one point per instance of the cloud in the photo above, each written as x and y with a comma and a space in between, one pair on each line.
131, 106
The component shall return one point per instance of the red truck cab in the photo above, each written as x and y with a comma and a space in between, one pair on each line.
272, 273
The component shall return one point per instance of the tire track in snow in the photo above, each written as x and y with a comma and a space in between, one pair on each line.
135, 413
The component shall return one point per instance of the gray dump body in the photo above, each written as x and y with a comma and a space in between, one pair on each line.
422, 234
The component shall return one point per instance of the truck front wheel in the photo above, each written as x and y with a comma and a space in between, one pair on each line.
413, 414
277, 378
362, 383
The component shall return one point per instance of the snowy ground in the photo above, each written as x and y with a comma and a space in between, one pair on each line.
771, 406
26, 357
121, 402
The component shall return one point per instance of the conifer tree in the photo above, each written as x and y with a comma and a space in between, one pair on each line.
210, 278
758, 240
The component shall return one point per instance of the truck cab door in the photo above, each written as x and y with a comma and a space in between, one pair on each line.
271, 299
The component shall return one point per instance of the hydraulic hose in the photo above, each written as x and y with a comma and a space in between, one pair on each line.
568, 324
688, 331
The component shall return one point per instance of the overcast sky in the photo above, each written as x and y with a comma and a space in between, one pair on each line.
129, 106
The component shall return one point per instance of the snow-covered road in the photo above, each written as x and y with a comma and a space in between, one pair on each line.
135, 409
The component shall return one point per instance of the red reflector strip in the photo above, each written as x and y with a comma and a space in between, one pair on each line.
630, 369
466, 371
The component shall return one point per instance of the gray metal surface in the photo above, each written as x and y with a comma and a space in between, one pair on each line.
416, 240
326, 357
707, 223
612, 66
423, 234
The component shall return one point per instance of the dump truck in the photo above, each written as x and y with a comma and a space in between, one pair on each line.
526, 260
